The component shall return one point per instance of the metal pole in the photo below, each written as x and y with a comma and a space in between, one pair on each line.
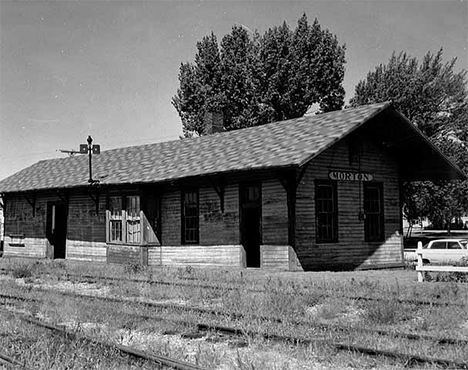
90, 141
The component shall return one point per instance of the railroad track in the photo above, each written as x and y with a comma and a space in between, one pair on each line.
163, 362
200, 310
12, 362
340, 346
118, 280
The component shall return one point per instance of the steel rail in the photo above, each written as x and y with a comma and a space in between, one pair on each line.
318, 325
209, 286
10, 361
300, 292
163, 361
408, 358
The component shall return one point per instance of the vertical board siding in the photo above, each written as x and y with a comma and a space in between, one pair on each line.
351, 250
274, 213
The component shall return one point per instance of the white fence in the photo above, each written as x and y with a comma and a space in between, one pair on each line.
420, 268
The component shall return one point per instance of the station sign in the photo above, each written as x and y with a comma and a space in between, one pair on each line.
350, 176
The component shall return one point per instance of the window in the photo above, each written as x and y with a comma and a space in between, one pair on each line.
115, 219
190, 231
453, 245
133, 229
326, 212
124, 219
373, 209
439, 245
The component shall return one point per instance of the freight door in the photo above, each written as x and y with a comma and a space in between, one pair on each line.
250, 222
57, 228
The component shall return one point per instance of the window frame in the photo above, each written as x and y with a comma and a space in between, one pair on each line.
195, 217
124, 219
319, 238
373, 218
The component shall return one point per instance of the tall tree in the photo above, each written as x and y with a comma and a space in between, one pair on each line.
434, 97
200, 86
255, 79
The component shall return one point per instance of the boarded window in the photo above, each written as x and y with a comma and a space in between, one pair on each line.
190, 224
373, 209
326, 212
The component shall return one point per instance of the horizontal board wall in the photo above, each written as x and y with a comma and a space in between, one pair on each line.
27, 247
274, 213
217, 226
86, 251
83, 222
351, 248
195, 255
20, 219
170, 210
275, 256
123, 254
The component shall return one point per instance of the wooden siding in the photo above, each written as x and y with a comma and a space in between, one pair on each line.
218, 227
83, 222
29, 247
171, 224
123, 254
274, 213
86, 251
21, 220
86, 230
154, 256
276, 256
196, 255
351, 251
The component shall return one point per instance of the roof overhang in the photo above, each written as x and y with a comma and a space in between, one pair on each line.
418, 158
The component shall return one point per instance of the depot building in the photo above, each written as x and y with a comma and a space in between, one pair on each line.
318, 192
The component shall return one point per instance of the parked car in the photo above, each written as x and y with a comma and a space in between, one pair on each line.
441, 251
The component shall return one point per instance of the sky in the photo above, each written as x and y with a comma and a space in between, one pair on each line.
109, 69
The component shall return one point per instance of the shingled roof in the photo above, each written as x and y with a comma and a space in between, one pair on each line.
282, 144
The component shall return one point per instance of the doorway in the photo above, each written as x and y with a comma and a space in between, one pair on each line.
250, 222
57, 228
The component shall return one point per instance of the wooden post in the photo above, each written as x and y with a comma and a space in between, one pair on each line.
420, 262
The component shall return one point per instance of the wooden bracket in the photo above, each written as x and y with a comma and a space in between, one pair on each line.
291, 179
32, 202
220, 188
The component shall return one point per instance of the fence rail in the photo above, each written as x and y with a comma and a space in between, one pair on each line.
420, 268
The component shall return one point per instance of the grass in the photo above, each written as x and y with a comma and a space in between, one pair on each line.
308, 297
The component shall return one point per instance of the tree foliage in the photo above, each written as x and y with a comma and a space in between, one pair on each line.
434, 97
255, 79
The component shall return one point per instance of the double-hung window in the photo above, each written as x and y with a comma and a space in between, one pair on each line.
190, 222
373, 209
326, 211
124, 219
